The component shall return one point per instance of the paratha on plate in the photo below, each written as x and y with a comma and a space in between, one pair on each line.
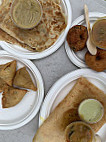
6, 37
23, 79
12, 97
53, 128
7, 72
42, 36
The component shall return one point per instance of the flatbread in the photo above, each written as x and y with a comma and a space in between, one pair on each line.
12, 97
52, 130
7, 72
5, 37
23, 79
42, 36
3, 85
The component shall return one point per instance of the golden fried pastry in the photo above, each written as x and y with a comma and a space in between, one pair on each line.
53, 128
23, 79
96, 62
12, 97
77, 37
7, 72
3, 85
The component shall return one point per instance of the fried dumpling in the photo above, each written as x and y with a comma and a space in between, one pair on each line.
3, 85
12, 97
23, 79
7, 72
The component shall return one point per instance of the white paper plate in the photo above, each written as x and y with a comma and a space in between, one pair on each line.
23, 53
78, 58
26, 110
62, 87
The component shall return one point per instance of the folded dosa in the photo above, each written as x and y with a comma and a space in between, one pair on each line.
12, 97
42, 36
7, 72
52, 130
23, 79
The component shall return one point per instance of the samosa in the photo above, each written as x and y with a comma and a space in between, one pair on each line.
7, 72
12, 97
23, 79
3, 85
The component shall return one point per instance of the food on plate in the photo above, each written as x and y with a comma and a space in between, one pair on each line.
79, 132
12, 97
3, 85
23, 79
44, 34
53, 128
99, 33
26, 14
96, 62
7, 72
9, 77
91, 111
6, 37
77, 37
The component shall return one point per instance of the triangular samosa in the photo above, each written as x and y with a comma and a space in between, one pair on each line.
3, 85
12, 97
23, 79
7, 72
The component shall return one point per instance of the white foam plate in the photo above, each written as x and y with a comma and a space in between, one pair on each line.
78, 58
62, 87
25, 111
23, 53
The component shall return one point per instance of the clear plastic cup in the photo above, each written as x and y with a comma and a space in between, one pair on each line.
82, 108
71, 130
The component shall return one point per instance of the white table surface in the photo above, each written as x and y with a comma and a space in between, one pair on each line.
51, 68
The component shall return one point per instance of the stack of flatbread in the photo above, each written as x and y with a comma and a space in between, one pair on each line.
39, 38
53, 128
9, 77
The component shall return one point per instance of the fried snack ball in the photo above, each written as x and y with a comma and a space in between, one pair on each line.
96, 62
77, 37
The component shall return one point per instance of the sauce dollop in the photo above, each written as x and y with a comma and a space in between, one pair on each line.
99, 33
26, 13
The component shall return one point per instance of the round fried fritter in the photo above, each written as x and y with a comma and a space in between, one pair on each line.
77, 37
96, 62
